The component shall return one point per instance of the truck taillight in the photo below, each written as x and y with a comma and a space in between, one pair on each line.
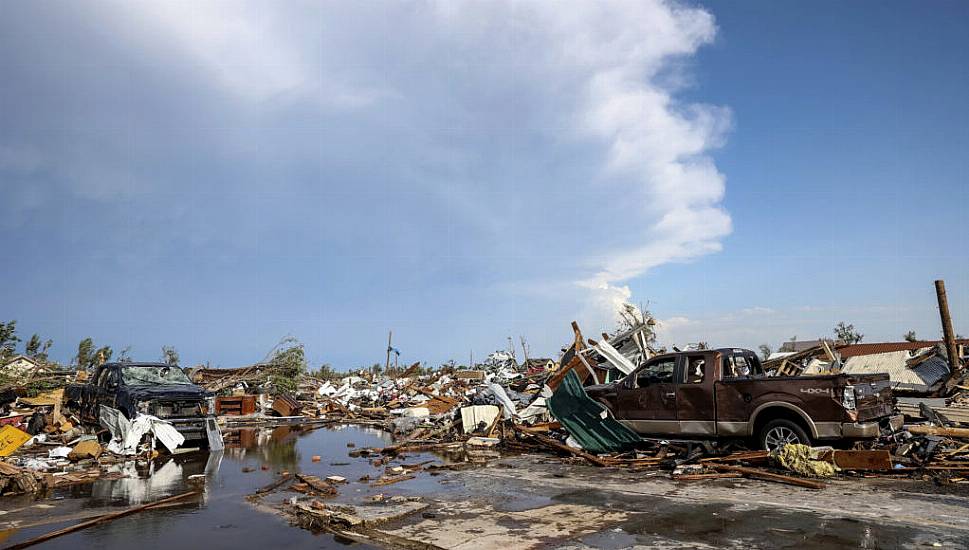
848, 399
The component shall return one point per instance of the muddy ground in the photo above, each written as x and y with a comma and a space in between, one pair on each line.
528, 501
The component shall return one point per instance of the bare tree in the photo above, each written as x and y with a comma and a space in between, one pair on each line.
847, 334
525, 347
910, 336
632, 316
170, 355
765, 351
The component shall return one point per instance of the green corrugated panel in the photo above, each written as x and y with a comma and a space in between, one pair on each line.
582, 418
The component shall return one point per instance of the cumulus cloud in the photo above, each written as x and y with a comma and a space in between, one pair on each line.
509, 146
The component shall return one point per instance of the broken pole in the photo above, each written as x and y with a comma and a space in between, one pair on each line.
948, 334
390, 336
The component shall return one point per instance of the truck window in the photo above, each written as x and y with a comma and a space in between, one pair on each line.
660, 371
738, 365
695, 369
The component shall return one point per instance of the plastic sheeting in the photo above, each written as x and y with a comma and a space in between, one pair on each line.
506, 403
587, 421
127, 434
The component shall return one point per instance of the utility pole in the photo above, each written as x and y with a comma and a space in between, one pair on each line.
947, 333
390, 336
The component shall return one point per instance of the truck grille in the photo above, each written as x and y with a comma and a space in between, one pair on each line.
176, 409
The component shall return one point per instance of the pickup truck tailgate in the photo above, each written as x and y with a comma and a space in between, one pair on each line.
873, 396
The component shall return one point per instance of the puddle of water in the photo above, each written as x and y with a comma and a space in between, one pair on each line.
223, 517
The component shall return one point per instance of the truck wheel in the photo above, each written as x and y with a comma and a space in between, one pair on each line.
777, 433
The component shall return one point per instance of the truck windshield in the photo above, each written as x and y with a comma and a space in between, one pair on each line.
153, 376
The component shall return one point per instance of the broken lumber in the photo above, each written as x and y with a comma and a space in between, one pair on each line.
548, 442
769, 476
272, 486
960, 433
698, 477
875, 460
101, 519
391, 480
317, 484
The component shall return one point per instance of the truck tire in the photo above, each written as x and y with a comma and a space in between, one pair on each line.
777, 433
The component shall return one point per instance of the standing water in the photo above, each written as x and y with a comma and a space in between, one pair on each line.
222, 518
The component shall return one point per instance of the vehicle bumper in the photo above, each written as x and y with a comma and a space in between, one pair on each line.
867, 430
191, 428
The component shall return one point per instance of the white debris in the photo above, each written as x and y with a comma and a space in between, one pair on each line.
472, 417
126, 434
59, 452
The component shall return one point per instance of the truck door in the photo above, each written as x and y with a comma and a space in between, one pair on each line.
647, 400
695, 405
107, 389
740, 371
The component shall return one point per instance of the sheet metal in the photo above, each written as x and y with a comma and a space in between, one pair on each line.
587, 421
921, 378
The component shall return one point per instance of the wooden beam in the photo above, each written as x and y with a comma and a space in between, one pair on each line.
101, 519
960, 433
769, 476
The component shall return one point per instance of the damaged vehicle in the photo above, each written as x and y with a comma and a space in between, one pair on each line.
156, 389
725, 393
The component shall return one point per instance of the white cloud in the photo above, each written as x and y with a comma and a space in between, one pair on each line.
518, 144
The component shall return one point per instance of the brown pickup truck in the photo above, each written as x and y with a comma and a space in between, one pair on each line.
725, 393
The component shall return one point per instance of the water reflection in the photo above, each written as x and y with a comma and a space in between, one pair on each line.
161, 479
274, 447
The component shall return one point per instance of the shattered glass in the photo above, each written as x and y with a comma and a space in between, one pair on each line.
153, 376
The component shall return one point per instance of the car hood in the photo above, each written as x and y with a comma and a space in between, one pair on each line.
180, 391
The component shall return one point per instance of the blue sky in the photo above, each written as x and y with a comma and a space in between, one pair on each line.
216, 176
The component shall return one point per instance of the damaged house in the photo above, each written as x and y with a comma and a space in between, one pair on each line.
915, 368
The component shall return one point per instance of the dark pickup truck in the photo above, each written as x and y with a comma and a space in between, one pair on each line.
725, 393
157, 389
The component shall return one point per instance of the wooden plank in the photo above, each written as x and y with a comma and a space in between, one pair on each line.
575, 363
935, 430
769, 476
548, 442
878, 460
698, 477
100, 519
